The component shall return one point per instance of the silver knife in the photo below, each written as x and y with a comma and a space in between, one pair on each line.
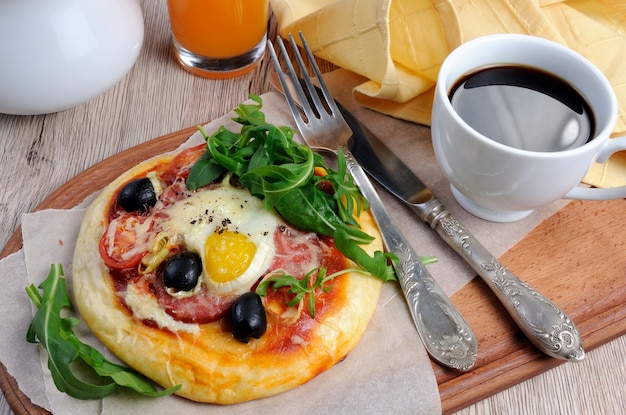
547, 326
543, 322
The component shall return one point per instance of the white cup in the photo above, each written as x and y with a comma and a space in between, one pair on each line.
502, 183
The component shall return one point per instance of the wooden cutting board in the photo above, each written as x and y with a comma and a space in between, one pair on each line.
575, 258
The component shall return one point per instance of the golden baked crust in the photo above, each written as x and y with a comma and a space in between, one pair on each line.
209, 363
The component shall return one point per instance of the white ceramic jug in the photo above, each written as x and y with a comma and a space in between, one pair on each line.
57, 54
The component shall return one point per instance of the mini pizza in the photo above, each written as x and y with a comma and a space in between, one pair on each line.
199, 275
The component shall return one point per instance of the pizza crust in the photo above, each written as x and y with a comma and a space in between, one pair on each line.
209, 363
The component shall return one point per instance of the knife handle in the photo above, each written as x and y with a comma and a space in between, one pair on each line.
443, 330
545, 324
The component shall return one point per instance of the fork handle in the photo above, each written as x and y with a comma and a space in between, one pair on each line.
443, 330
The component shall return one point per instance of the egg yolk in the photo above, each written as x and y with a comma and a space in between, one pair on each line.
227, 255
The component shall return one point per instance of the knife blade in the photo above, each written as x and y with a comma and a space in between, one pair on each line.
548, 327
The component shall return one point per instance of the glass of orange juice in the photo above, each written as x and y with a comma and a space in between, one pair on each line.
219, 38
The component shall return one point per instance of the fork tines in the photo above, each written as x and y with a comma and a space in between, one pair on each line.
308, 98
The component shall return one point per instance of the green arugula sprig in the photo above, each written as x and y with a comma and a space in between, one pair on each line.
307, 286
299, 288
346, 191
55, 334
280, 171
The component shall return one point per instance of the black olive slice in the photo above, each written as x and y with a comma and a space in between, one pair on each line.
137, 195
248, 317
182, 271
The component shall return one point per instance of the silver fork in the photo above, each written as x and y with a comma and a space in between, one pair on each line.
445, 333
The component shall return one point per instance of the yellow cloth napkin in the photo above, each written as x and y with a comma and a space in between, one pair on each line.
399, 45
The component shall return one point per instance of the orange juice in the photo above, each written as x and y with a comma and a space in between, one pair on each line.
218, 29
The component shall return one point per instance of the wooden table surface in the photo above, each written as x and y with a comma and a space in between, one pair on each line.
40, 153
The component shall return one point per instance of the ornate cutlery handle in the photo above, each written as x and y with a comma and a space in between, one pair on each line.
443, 330
545, 324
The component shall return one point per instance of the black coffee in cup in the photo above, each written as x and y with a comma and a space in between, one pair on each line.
523, 107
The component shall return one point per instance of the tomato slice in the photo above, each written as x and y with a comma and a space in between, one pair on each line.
185, 159
127, 240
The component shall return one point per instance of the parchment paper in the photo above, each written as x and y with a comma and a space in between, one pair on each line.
389, 370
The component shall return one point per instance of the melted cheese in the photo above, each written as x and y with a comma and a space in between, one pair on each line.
146, 307
133, 225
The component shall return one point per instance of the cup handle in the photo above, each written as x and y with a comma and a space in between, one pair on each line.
584, 193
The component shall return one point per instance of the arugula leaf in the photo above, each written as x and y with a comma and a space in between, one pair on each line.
305, 287
55, 334
205, 170
377, 264
250, 114
346, 191
312, 209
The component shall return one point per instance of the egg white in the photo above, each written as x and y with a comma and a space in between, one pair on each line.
211, 210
